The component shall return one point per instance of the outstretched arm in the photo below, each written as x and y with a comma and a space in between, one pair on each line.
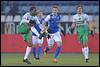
62, 29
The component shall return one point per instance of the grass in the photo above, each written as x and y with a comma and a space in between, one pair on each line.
65, 59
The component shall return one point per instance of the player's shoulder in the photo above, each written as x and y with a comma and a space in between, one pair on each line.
48, 15
27, 14
85, 14
75, 15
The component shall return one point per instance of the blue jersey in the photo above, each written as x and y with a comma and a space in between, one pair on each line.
37, 26
53, 24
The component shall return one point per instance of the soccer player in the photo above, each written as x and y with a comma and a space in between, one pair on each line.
35, 38
25, 30
53, 21
81, 21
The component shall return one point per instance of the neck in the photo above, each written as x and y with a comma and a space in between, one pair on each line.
32, 14
79, 14
54, 13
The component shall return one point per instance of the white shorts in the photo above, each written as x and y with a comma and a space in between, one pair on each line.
54, 37
36, 40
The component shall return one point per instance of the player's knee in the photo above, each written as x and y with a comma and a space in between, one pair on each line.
33, 45
59, 44
85, 44
40, 45
50, 47
30, 45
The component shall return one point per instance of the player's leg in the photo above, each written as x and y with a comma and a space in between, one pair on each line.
85, 45
27, 39
50, 43
40, 41
58, 40
34, 42
82, 34
23, 29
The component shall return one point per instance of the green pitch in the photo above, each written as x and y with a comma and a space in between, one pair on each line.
15, 59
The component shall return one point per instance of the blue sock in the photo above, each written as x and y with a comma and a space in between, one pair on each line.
34, 52
57, 52
46, 49
39, 52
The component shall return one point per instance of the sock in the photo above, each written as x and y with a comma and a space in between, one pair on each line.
57, 52
86, 50
28, 50
83, 52
46, 49
39, 51
34, 52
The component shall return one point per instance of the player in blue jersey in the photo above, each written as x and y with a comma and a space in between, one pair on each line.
36, 31
53, 21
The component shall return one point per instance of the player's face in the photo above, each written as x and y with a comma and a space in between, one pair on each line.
55, 10
40, 14
79, 10
33, 12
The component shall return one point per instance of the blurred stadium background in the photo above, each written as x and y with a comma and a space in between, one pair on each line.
12, 12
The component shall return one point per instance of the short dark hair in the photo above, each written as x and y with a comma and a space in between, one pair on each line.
79, 5
33, 7
54, 6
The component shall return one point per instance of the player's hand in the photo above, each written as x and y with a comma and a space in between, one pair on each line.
73, 26
42, 34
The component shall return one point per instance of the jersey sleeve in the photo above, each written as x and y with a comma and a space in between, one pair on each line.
47, 18
73, 19
37, 20
25, 18
60, 18
86, 18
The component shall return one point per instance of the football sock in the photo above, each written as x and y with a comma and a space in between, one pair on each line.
83, 52
86, 50
28, 50
47, 49
57, 52
39, 51
34, 52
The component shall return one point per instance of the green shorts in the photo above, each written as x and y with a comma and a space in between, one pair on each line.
82, 33
26, 37
23, 29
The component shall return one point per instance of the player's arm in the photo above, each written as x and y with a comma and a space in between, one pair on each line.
89, 24
27, 20
73, 25
62, 29
45, 23
73, 22
44, 30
